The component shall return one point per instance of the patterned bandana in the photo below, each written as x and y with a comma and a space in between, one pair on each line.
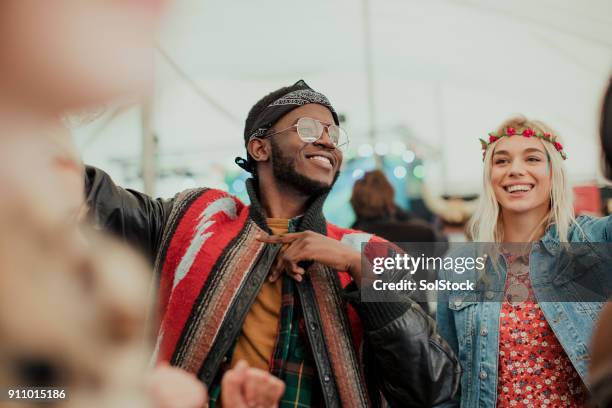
298, 94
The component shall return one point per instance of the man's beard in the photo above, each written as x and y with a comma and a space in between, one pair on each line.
284, 172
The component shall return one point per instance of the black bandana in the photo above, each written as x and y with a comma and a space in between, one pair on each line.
297, 95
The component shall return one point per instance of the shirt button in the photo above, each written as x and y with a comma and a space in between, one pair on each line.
313, 325
457, 303
489, 294
326, 378
484, 331
483, 375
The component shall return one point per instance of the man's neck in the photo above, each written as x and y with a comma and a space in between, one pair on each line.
279, 201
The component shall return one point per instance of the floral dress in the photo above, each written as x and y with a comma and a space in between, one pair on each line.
534, 370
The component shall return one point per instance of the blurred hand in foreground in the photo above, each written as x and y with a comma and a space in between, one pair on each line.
172, 387
248, 387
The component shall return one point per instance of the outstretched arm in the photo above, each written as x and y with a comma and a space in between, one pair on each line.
134, 217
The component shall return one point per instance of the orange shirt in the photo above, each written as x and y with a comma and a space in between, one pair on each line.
258, 335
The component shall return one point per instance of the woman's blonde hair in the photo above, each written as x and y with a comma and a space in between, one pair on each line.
486, 225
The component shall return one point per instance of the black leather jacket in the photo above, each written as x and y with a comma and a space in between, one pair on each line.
404, 357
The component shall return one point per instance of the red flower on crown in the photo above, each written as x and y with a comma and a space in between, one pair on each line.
527, 132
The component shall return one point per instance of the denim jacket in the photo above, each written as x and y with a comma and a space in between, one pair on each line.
471, 326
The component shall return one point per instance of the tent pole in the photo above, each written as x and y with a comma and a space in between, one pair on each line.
149, 153
441, 133
369, 70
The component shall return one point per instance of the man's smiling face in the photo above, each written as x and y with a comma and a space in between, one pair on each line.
311, 168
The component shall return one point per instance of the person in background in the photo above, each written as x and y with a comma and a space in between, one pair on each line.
452, 212
523, 349
600, 370
373, 198
373, 201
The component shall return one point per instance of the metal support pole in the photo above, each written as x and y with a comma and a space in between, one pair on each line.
439, 114
149, 148
369, 69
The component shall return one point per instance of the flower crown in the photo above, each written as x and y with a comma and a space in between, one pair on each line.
527, 132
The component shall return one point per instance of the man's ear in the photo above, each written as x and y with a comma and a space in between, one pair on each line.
259, 149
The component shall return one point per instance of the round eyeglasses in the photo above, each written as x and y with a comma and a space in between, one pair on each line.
310, 130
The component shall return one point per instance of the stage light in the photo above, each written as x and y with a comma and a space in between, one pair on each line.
381, 148
399, 172
419, 171
408, 156
365, 150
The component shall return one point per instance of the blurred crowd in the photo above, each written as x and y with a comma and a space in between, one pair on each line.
79, 307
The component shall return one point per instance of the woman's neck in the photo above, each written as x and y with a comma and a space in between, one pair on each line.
524, 226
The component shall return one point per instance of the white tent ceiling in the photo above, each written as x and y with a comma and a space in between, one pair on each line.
448, 71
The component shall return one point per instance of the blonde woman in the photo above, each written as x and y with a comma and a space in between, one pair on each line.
520, 346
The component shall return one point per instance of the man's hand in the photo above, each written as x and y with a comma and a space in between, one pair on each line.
172, 387
311, 246
245, 387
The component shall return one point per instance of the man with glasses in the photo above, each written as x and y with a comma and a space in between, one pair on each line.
267, 283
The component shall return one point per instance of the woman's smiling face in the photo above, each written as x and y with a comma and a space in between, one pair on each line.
520, 174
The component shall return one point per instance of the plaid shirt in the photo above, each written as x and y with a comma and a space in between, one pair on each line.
292, 360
